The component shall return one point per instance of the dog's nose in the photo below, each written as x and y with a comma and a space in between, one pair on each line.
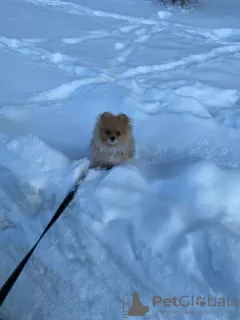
112, 138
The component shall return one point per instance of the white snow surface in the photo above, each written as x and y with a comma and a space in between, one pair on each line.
166, 223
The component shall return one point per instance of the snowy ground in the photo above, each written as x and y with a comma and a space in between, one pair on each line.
166, 224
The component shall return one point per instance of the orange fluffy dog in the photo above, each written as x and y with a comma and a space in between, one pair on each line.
112, 142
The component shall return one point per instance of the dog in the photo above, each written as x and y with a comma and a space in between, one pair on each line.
112, 142
137, 308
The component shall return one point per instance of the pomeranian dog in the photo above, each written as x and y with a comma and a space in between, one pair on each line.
112, 142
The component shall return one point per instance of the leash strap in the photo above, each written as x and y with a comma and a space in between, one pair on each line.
4, 291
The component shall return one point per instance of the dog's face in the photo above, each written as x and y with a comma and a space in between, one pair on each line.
114, 128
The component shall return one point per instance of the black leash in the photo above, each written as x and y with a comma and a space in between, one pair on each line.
15, 274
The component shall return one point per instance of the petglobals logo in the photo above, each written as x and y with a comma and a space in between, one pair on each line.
195, 301
134, 306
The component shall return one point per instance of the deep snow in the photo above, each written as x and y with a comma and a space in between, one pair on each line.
167, 223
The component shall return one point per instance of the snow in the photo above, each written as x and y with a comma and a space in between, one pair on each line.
166, 223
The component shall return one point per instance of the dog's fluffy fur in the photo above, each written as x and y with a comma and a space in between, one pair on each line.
112, 142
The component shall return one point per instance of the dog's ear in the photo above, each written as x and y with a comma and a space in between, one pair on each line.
105, 115
123, 117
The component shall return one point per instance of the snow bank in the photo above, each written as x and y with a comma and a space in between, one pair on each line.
125, 231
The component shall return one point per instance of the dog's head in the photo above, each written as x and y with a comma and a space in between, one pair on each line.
114, 129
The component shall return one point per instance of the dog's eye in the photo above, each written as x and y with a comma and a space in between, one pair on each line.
107, 132
118, 133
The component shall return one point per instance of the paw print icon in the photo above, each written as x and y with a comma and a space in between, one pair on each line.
201, 301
